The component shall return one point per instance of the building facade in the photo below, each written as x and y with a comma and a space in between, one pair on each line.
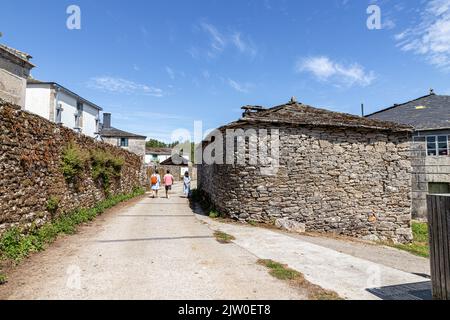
60, 105
332, 172
15, 67
157, 155
129, 141
430, 117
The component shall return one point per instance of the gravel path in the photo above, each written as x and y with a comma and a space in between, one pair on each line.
150, 249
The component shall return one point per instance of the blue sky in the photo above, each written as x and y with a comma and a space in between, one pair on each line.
160, 65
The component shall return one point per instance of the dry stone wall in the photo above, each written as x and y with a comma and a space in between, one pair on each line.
31, 173
353, 182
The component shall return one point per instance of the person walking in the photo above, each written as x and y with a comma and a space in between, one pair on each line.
186, 184
168, 182
155, 182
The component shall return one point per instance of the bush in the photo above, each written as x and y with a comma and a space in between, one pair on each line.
53, 204
74, 161
105, 167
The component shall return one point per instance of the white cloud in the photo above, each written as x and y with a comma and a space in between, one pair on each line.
120, 85
431, 37
170, 72
324, 69
219, 41
243, 88
243, 45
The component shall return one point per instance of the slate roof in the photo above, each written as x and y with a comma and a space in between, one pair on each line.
159, 151
116, 133
23, 56
294, 113
431, 112
175, 160
32, 81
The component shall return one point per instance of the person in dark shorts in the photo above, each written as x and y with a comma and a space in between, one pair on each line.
168, 182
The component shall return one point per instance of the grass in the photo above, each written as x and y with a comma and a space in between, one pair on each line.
16, 246
420, 245
222, 237
283, 272
214, 214
3, 279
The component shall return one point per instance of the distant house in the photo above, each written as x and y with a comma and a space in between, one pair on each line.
15, 69
430, 117
61, 105
157, 155
132, 142
178, 165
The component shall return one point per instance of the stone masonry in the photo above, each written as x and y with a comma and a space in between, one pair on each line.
30, 169
349, 181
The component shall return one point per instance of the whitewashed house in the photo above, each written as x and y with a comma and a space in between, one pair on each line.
157, 155
60, 105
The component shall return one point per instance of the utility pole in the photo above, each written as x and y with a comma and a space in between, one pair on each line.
362, 109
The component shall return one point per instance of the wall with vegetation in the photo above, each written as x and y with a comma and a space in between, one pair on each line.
47, 170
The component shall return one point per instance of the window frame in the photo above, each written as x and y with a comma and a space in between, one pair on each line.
125, 144
437, 141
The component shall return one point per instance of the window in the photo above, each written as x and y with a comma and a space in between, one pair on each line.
123, 142
438, 188
78, 115
59, 110
437, 146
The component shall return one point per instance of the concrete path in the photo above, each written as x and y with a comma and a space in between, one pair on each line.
152, 249
351, 276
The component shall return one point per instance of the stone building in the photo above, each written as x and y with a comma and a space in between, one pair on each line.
178, 166
330, 171
129, 141
15, 69
430, 117
58, 104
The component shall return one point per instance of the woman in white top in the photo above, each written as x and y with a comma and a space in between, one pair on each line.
155, 182
186, 184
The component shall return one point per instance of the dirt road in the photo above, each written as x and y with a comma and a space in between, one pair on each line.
152, 249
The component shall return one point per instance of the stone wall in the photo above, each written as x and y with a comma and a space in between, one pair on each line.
353, 182
30, 169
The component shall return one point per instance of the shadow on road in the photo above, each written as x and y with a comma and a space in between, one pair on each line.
155, 239
410, 291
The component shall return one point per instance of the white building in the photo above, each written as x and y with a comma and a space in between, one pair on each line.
60, 105
157, 155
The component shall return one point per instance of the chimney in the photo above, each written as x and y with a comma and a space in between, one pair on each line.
432, 92
106, 120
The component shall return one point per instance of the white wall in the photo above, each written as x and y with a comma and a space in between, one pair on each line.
90, 116
69, 105
38, 100
161, 158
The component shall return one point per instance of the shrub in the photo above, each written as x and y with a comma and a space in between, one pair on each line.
105, 167
73, 162
53, 204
